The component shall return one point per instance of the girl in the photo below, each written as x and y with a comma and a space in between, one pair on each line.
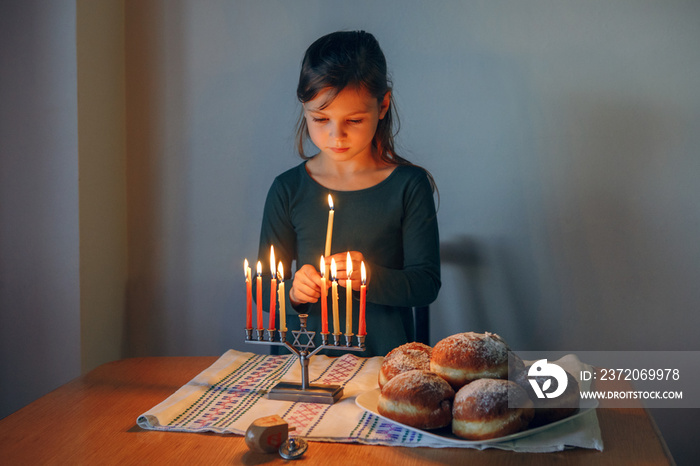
384, 208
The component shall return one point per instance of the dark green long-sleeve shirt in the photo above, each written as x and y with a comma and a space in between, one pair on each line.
393, 224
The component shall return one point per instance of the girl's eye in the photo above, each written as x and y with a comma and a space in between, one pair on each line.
355, 122
319, 120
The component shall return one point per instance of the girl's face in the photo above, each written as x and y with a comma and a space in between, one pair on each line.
344, 129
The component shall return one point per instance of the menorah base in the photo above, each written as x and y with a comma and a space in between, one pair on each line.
314, 393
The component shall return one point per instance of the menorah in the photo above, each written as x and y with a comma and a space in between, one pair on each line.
304, 347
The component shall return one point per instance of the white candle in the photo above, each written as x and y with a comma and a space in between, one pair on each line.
334, 272
348, 299
329, 231
283, 315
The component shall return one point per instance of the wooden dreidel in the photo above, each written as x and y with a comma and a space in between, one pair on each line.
265, 435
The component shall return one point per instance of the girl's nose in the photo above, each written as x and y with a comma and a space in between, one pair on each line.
338, 132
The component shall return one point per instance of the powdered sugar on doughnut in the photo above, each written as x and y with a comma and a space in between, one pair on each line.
424, 382
487, 397
406, 357
409, 359
417, 398
488, 347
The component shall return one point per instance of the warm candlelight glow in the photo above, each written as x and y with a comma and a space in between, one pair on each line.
334, 286
362, 329
324, 297
329, 231
258, 295
272, 261
283, 312
248, 296
348, 295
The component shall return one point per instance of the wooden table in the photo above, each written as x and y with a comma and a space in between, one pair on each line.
92, 420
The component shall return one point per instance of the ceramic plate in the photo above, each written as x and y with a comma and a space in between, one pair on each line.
368, 402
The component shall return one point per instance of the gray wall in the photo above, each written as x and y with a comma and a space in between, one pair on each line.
562, 135
39, 234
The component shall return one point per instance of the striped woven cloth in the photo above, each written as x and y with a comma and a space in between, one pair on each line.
229, 395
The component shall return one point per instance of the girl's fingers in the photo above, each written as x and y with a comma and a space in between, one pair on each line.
356, 258
305, 288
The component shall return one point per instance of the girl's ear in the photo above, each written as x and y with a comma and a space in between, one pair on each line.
384, 105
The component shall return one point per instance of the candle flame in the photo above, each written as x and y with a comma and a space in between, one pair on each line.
272, 261
245, 268
334, 270
330, 202
348, 265
280, 272
259, 268
363, 272
323, 267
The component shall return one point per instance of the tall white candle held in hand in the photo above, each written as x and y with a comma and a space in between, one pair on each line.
329, 232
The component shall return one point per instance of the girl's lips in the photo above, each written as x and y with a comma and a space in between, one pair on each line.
339, 150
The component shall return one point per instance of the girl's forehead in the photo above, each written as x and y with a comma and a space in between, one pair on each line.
349, 100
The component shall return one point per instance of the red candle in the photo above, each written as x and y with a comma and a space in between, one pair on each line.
324, 298
334, 297
248, 296
273, 289
363, 301
258, 296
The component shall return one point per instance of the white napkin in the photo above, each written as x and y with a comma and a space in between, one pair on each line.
229, 395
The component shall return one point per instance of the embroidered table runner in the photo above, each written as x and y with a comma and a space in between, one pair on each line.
229, 395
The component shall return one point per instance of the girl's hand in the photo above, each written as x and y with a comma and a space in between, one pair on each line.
306, 286
356, 258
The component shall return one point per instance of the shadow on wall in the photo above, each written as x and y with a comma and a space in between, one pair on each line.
463, 254
157, 188
485, 290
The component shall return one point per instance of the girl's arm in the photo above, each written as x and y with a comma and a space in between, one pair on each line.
418, 282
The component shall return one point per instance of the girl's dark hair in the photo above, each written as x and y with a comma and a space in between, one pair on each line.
349, 59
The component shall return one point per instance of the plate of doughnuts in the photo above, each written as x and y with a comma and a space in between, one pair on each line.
467, 389
369, 400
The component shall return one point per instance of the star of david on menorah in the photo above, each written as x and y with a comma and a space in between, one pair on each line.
304, 347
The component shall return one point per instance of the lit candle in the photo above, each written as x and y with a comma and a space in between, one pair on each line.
363, 301
334, 272
273, 289
324, 298
329, 232
283, 313
258, 296
348, 297
248, 296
